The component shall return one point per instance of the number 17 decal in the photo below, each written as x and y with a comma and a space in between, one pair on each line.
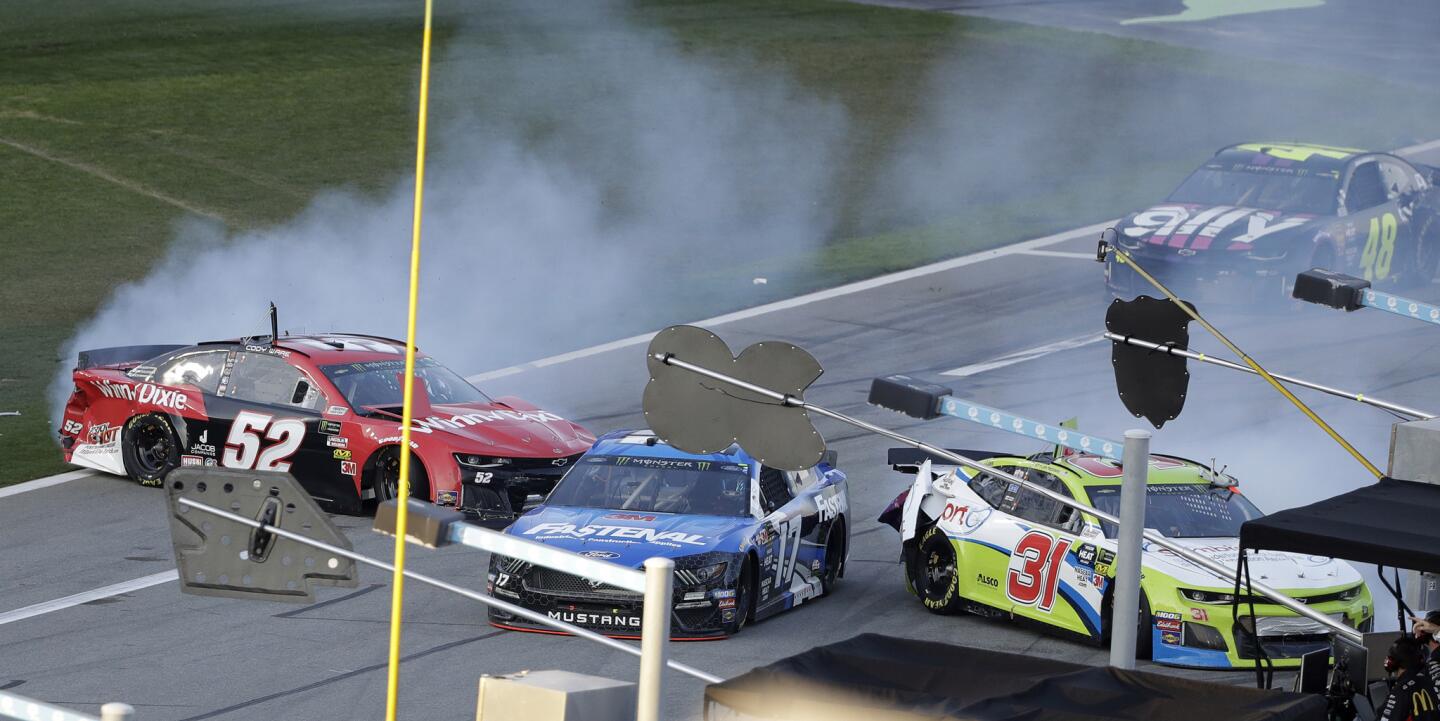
1039, 557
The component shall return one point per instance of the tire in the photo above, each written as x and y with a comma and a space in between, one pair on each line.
1144, 622
744, 598
384, 474
834, 558
150, 449
1426, 258
937, 573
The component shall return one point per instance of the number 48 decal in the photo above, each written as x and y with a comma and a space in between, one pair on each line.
1379, 247
1040, 558
245, 447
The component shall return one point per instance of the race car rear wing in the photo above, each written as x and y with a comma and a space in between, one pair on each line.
908, 460
121, 355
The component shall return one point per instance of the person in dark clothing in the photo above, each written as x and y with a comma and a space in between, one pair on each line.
1413, 696
1427, 632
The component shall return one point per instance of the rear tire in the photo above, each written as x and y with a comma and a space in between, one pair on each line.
1427, 254
937, 573
150, 449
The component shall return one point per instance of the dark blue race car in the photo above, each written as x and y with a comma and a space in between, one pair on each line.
748, 541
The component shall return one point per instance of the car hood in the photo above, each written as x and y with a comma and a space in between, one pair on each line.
1278, 569
631, 537
497, 429
1189, 229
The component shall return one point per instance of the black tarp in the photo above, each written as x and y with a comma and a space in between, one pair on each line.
1392, 523
879, 677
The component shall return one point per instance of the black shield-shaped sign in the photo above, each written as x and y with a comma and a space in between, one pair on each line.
1151, 384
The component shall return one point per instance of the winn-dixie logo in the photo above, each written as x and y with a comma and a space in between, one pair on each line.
426, 425
147, 393
629, 533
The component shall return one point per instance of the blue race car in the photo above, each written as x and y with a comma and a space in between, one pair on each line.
748, 541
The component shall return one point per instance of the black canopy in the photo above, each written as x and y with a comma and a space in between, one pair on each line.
879, 677
1392, 523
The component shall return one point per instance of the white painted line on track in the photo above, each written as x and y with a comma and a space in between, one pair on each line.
1419, 148
1060, 254
46, 482
807, 299
115, 589
1025, 355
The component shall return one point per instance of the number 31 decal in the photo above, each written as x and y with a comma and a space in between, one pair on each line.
1039, 557
246, 449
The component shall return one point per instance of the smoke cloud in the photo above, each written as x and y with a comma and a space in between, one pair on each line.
573, 176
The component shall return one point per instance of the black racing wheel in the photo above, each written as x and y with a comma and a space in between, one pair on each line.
937, 573
384, 473
150, 449
834, 557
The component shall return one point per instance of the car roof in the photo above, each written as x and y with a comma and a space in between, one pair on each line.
329, 348
1284, 157
645, 444
1094, 470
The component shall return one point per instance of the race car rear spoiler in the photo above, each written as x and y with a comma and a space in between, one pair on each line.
120, 355
908, 460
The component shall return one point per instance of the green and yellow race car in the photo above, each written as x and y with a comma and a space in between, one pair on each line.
972, 541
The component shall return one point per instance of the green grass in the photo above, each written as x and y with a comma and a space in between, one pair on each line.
245, 110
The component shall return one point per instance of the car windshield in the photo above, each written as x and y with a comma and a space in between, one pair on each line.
376, 384
655, 485
1284, 192
1182, 510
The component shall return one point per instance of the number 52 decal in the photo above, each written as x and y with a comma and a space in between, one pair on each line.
245, 447
1034, 569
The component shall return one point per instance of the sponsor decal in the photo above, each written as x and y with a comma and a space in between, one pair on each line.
1106, 556
1098, 580
830, 507
728, 615
692, 604
600, 554
1170, 638
630, 517
428, 425
202, 446
726, 603
1165, 624
558, 462
1102, 569
330, 428
1199, 614
581, 618
109, 389
815, 565
341, 454
953, 511
723, 593
348, 468
335, 411
1167, 615
973, 519
151, 394
445, 498
337, 441
985, 580
102, 433
192, 461
647, 535
1086, 555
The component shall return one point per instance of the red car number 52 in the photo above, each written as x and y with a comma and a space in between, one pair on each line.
245, 447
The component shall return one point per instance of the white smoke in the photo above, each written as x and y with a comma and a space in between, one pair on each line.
577, 181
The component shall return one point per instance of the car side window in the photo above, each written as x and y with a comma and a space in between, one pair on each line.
1039, 508
201, 370
774, 489
261, 378
1399, 180
989, 487
1366, 189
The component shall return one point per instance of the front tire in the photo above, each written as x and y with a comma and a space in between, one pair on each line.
150, 449
744, 597
384, 473
936, 578
834, 558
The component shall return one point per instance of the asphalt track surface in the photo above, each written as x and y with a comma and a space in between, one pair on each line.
1351, 35
1000, 315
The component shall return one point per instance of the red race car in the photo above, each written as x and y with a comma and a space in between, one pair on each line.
326, 408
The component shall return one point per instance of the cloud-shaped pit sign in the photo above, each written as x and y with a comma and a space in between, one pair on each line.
698, 414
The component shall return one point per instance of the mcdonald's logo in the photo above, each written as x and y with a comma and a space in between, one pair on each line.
1421, 701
